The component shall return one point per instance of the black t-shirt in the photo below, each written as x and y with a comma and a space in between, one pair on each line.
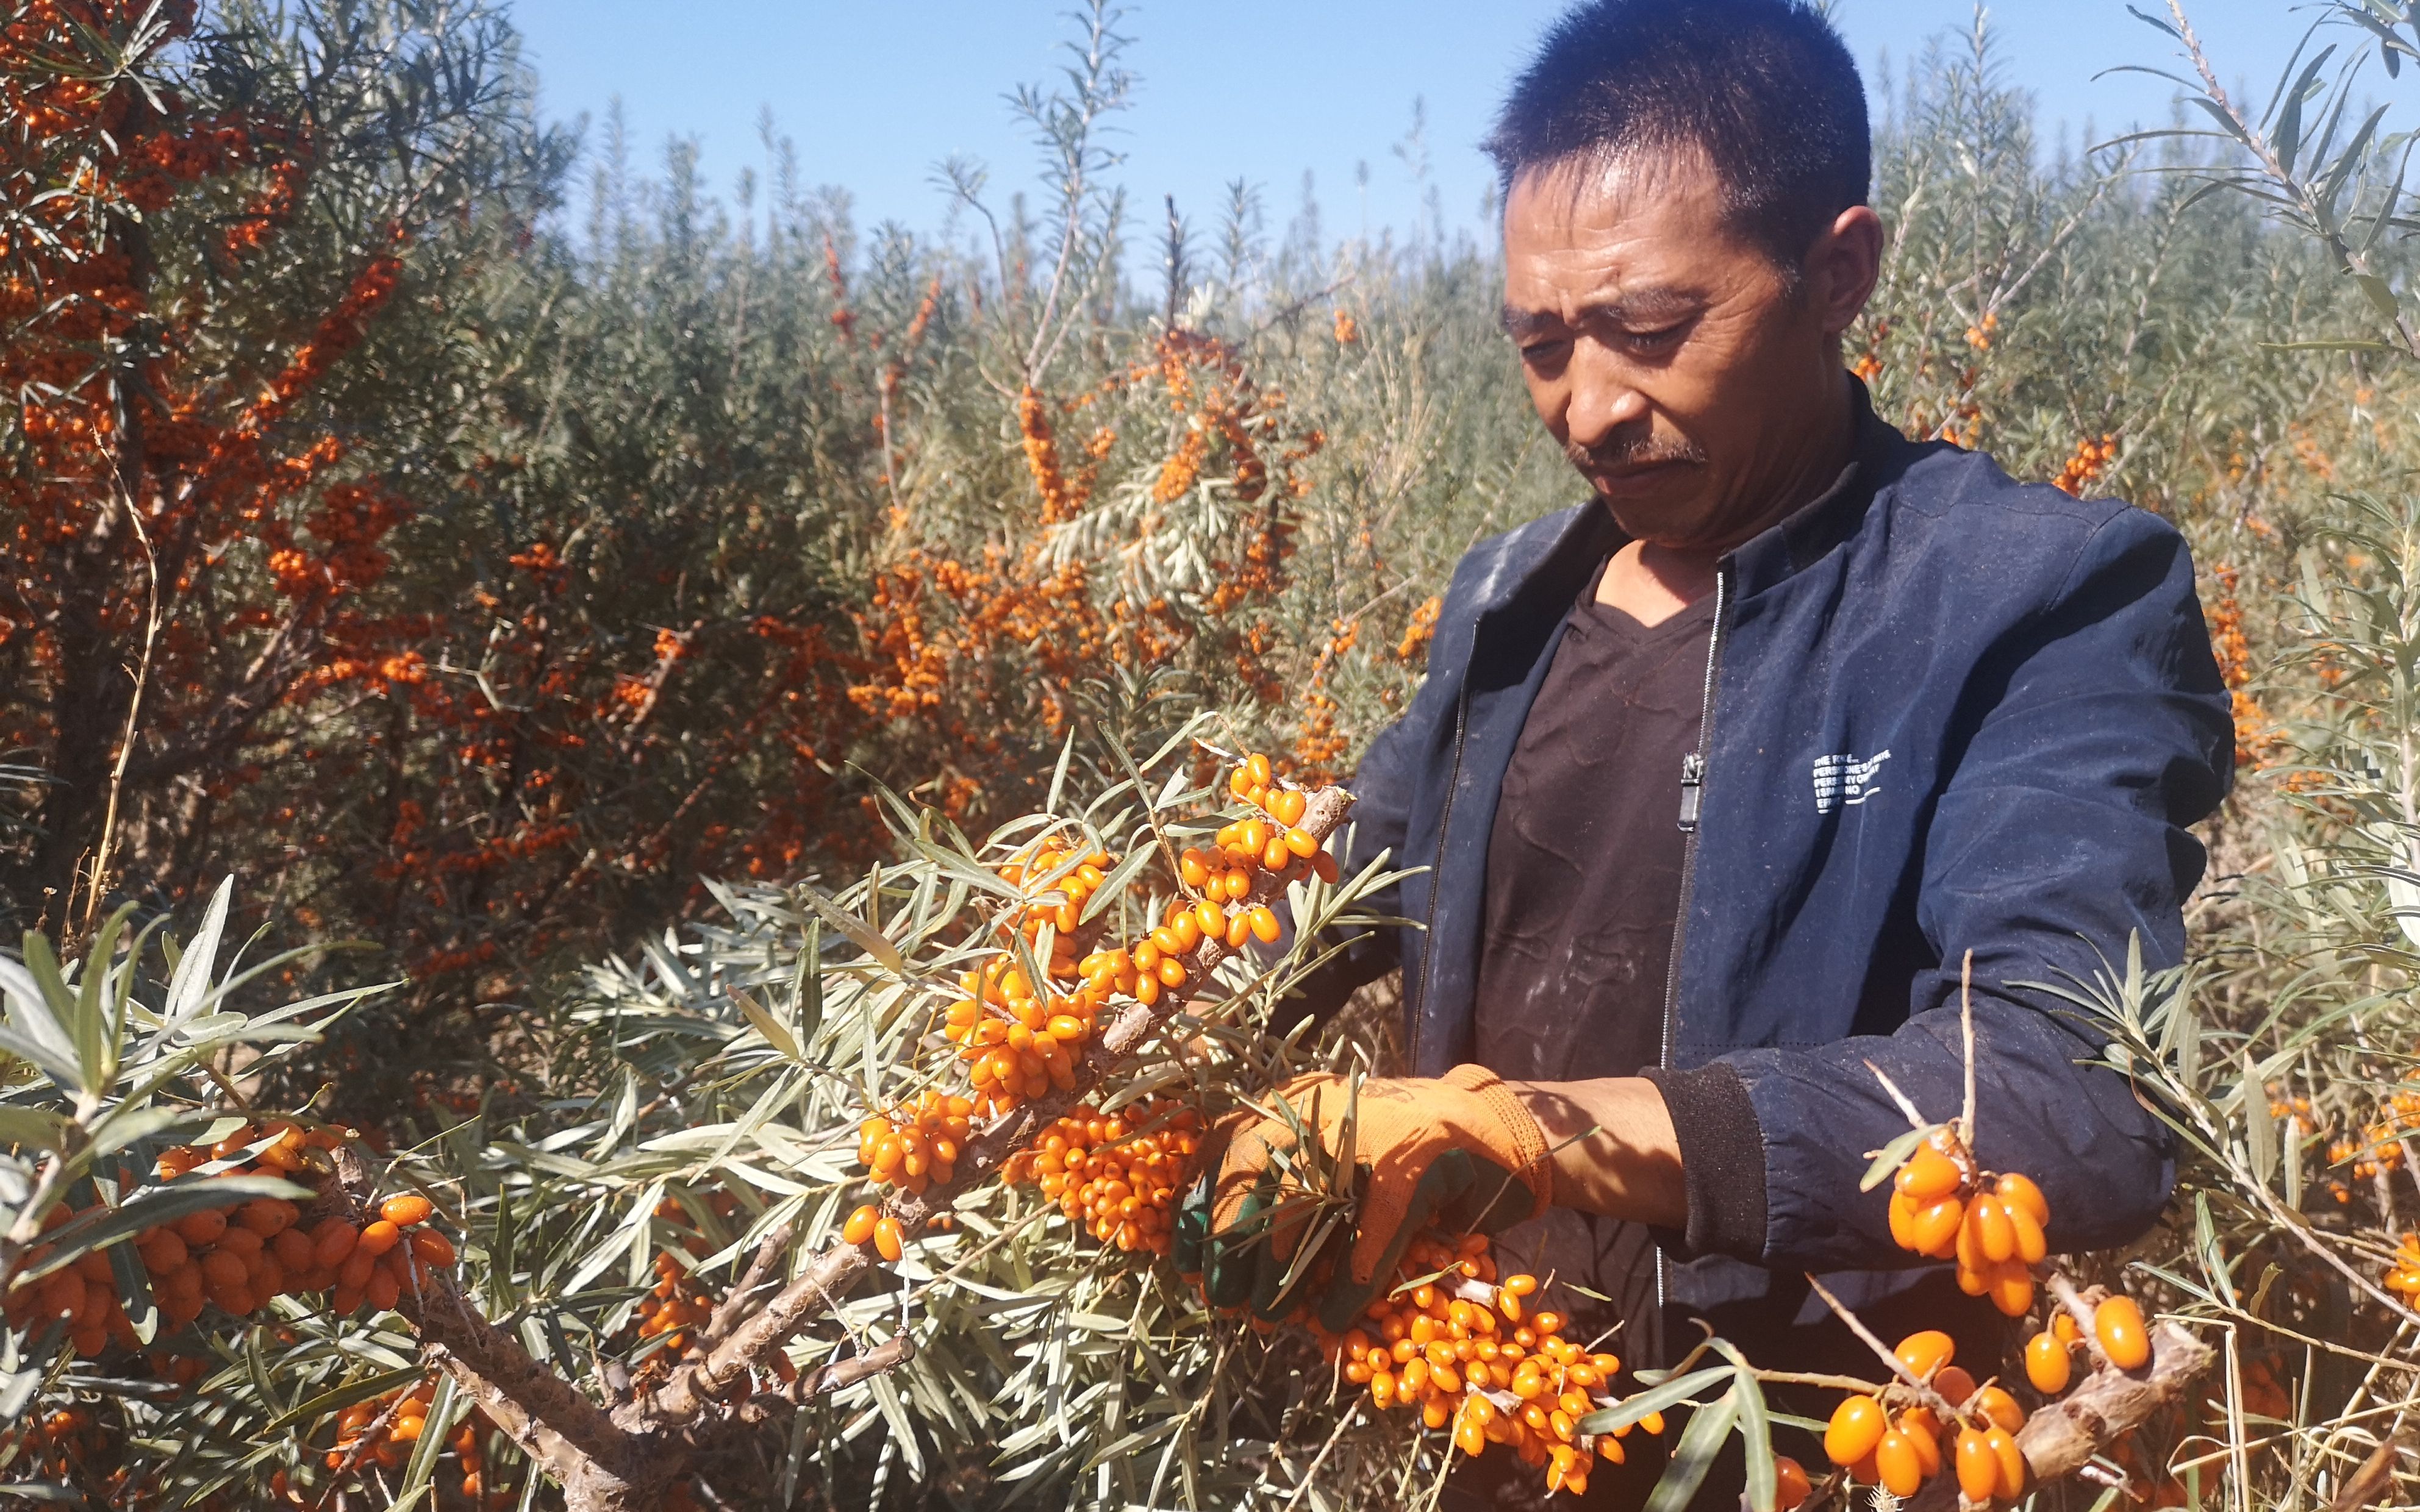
1583, 891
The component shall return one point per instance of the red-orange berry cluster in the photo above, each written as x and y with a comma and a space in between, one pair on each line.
1474, 1356
1120, 1175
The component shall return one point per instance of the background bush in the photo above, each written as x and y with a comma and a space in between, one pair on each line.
530, 566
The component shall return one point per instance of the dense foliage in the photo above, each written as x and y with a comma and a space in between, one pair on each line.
679, 638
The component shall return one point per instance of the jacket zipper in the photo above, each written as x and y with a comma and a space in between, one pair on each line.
1444, 817
1693, 782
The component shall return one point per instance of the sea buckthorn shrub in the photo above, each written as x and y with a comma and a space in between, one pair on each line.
501, 574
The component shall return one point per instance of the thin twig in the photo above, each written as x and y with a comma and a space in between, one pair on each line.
99, 874
1923, 1388
1966, 1032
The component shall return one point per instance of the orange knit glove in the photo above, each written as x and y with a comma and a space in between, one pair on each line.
1459, 1151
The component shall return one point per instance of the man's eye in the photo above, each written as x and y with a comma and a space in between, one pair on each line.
1661, 336
1545, 351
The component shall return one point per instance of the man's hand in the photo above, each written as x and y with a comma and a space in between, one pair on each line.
1459, 1153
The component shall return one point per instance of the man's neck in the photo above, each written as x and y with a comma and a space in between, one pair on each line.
1653, 581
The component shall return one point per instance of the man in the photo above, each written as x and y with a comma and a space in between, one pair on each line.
1716, 779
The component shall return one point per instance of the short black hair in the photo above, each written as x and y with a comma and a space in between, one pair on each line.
1766, 88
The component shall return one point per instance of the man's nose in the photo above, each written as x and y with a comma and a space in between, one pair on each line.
1604, 401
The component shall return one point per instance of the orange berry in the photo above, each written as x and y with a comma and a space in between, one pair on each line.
383, 1290
2021, 1192
204, 1227
2012, 1288
860, 1226
1954, 1384
887, 1239
2118, 1324
2048, 1365
1897, 1465
1925, 1352
2012, 1462
380, 1237
1998, 1407
1790, 1486
1932, 1229
331, 1240
1978, 1468
292, 1247
1987, 1221
1929, 1176
405, 1208
432, 1247
1856, 1428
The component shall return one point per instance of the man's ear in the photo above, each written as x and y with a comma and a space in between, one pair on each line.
1842, 266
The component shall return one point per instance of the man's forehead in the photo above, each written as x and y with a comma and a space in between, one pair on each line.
1676, 181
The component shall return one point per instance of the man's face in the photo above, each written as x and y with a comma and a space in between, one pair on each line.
1685, 377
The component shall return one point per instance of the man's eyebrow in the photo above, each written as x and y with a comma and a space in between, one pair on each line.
1648, 307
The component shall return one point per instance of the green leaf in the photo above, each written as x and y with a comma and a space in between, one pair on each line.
1892, 1156
766, 1025
45, 1018
32, 1128
422, 1466
2259, 1127
2289, 121
1756, 1430
871, 941
1695, 1456
329, 1402
189, 988
1623, 1413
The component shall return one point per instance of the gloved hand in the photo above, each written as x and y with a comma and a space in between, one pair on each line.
1459, 1152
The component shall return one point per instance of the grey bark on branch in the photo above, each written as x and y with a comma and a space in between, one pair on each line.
626, 1459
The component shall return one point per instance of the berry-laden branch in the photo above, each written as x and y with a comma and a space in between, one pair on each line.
817, 1288
1945, 1206
2064, 1436
554, 1424
629, 1456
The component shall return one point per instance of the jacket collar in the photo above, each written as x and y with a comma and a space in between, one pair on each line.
1805, 534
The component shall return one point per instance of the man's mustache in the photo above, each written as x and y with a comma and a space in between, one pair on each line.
1644, 451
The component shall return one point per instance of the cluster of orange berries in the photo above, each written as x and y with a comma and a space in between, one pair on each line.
240, 1256
1939, 1208
1899, 1451
2090, 459
677, 1304
1017, 1038
1943, 1205
60, 1441
1119, 1175
917, 1143
397, 1420
1020, 1039
673, 1306
2380, 1147
1469, 1354
2403, 1276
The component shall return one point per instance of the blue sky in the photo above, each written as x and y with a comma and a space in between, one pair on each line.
874, 93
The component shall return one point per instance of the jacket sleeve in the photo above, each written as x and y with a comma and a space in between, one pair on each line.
2100, 734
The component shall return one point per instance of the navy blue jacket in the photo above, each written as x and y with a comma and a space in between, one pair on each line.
1946, 712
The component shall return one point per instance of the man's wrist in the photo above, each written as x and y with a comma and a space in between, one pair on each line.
1612, 1147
